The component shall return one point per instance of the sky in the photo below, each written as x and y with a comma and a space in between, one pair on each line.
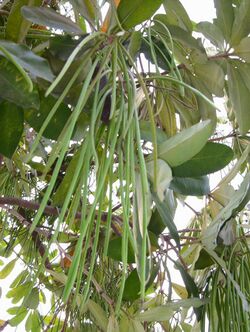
198, 10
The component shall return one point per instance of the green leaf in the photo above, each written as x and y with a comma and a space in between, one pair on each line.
34, 64
210, 159
212, 32
28, 323
130, 12
98, 314
164, 176
167, 215
191, 287
225, 17
240, 97
236, 204
50, 18
62, 46
63, 188
212, 77
177, 14
198, 186
241, 25
156, 224
135, 43
165, 312
19, 292
133, 284
13, 87
20, 278
243, 49
11, 124
162, 55
204, 260
176, 150
17, 27
21, 314
115, 250
36, 324
7, 269
177, 33
32, 300
112, 324
36, 118
89, 9
146, 132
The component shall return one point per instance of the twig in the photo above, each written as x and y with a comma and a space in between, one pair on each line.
52, 210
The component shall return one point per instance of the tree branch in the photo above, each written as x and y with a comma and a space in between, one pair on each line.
52, 210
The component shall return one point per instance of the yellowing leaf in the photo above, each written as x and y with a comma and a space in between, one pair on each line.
180, 290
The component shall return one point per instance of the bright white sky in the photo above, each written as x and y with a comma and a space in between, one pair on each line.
198, 10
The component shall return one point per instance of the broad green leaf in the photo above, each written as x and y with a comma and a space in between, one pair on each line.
165, 312
36, 118
32, 301
212, 32
130, 12
225, 17
162, 55
167, 216
237, 202
191, 288
21, 314
177, 14
241, 25
50, 18
132, 284
132, 287
177, 33
156, 224
196, 186
235, 169
28, 323
17, 27
14, 88
164, 176
36, 322
34, 64
240, 97
11, 123
7, 269
115, 250
89, 9
129, 325
227, 234
135, 43
203, 261
243, 49
176, 150
212, 77
98, 314
210, 159
62, 46
61, 192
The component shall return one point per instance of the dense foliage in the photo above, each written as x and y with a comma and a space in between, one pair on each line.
107, 121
